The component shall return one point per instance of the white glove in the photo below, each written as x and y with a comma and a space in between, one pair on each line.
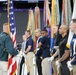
69, 66
57, 64
51, 59
20, 53
34, 59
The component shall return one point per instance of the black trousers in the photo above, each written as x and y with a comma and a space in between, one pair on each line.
64, 69
38, 63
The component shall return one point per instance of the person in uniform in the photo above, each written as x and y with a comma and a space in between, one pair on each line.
38, 51
6, 47
72, 62
62, 52
45, 47
29, 51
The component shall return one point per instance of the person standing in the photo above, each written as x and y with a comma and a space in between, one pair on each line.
29, 51
6, 48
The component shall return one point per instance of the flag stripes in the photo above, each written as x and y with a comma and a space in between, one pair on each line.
12, 66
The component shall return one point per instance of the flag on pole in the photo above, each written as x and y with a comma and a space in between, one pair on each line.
53, 22
69, 12
63, 13
37, 17
31, 24
57, 13
12, 66
74, 10
66, 12
47, 15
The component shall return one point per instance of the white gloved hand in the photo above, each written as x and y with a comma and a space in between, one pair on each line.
57, 64
69, 66
51, 59
20, 53
34, 59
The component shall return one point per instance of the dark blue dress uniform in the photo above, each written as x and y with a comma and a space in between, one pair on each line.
6, 47
62, 47
45, 46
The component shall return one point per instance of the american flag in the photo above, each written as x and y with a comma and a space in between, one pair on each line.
12, 23
12, 66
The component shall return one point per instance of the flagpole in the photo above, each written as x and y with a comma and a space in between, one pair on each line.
8, 16
8, 7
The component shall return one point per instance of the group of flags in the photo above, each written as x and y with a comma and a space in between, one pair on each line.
51, 18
